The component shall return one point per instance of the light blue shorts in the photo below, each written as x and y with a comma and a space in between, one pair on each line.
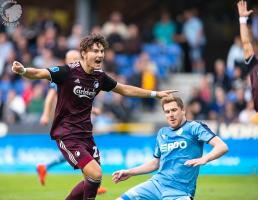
153, 190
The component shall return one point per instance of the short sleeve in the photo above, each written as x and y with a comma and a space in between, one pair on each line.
203, 132
108, 83
59, 73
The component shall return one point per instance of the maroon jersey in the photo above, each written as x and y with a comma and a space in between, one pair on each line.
253, 65
76, 91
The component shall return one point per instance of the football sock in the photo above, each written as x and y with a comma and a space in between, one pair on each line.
77, 192
90, 188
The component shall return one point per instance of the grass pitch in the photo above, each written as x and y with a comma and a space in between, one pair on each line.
27, 187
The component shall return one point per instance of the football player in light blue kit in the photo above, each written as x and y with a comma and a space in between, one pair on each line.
177, 156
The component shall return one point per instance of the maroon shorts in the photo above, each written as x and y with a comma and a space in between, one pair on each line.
78, 151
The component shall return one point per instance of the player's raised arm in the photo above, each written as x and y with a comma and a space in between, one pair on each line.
30, 73
128, 90
244, 31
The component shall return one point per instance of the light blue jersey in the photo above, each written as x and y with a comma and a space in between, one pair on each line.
174, 148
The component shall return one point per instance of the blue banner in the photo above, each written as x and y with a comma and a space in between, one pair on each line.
21, 153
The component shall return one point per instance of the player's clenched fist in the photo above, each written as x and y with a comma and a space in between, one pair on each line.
18, 68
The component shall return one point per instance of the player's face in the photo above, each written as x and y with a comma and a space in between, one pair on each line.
175, 115
94, 57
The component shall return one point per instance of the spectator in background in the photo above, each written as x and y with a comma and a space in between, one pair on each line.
96, 30
14, 108
50, 38
205, 89
61, 48
164, 30
229, 114
240, 102
238, 78
248, 115
132, 44
109, 64
35, 106
221, 79
197, 105
119, 107
147, 78
46, 58
115, 31
73, 41
235, 55
193, 34
5, 87
5, 49
217, 106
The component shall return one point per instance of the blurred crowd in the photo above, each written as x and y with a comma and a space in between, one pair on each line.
142, 56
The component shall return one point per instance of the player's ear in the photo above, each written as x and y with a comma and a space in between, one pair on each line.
83, 54
184, 112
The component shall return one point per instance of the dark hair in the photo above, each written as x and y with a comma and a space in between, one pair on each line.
88, 41
169, 99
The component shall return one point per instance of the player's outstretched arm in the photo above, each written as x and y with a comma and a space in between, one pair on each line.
244, 31
128, 90
219, 149
30, 73
145, 168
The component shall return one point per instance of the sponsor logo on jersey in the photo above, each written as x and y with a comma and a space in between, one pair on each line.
74, 64
96, 84
77, 153
54, 69
82, 92
173, 145
77, 80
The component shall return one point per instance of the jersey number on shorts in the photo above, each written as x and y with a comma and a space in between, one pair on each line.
95, 154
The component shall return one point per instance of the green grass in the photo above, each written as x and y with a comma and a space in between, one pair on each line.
26, 187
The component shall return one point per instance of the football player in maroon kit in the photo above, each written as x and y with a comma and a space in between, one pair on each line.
249, 55
77, 85
49, 107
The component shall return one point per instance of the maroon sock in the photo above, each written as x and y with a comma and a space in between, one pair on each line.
90, 188
77, 192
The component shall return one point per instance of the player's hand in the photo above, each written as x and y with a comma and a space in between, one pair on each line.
17, 67
44, 120
165, 93
196, 162
120, 175
242, 9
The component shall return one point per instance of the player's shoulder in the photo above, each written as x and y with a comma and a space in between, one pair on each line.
74, 65
197, 124
164, 129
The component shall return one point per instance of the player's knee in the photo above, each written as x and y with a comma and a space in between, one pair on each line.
96, 174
